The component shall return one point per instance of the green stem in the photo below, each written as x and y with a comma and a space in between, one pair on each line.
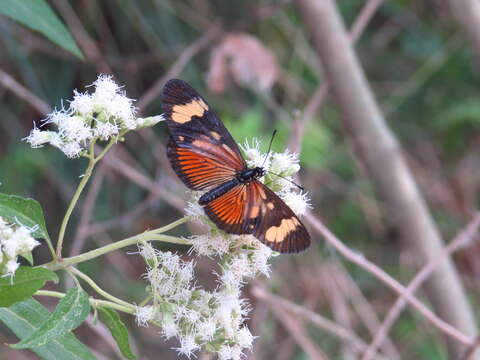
76, 196
92, 161
130, 309
146, 236
97, 288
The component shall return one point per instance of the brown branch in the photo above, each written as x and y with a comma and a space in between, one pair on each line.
457, 243
393, 284
363, 308
142, 180
318, 97
299, 334
381, 155
177, 67
467, 15
320, 321
89, 46
22, 92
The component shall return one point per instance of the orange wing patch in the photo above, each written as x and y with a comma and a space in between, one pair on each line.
227, 211
184, 112
197, 171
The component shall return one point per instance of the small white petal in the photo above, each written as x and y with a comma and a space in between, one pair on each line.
144, 314
297, 201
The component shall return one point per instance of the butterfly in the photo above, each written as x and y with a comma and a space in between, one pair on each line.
206, 158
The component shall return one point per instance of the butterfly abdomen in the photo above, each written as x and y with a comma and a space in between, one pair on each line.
218, 191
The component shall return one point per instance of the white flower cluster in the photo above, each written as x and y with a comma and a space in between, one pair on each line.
14, 241
103, 114
198, 318
215, 321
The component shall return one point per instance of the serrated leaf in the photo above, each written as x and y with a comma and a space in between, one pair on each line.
68, 315
23, 211
118, 329
24, 283
28, 256
39, 16
25, 317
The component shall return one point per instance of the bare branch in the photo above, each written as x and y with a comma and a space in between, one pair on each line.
376, 271
380, 153
457, 243
22, 92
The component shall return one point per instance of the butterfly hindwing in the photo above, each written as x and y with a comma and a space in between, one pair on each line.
255, 209
228, 210
274, 223
195, 126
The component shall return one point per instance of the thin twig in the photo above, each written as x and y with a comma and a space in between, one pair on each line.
189, 52
22, 92
320, 321
457, 243
92, 52
144, 181
316, 100
376, 271
299, 334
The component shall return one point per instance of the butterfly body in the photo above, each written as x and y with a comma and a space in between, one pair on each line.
243, 177
206, 158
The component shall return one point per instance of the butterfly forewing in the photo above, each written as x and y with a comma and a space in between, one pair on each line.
193, 124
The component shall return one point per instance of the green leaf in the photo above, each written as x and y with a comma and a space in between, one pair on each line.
118, 329
23, 211
24, 283
39, 16
68, 315
24, 318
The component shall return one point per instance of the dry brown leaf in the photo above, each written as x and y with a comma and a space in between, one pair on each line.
246, 60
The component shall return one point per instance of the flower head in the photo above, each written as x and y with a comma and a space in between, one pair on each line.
15, 240
104, 113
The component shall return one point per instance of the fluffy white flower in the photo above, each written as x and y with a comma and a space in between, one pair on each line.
253, 155
74, 129
38, 138
285, 163
10, 267
102, 114
210, 244
188, 345
206, 329
82, 103
245, 337
72, 149
297, 201
144, 314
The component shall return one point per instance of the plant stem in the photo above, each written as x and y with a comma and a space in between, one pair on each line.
97, 288
76, 196
130, 309
92, 161
152, 235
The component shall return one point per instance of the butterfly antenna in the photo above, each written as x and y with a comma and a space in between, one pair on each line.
269, 147
293, 182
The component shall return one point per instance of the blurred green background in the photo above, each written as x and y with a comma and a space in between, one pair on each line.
418, 64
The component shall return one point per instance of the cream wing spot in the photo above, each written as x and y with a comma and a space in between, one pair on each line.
215, 135
183, 113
